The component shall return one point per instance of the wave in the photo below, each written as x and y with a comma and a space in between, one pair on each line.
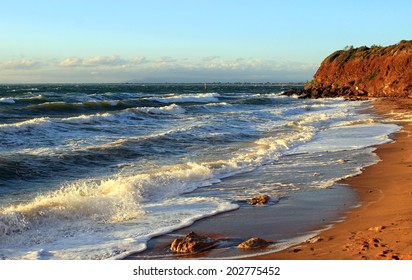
119, 198
25, 125
100, 210
188, 98
125, 115
25, 99
295, 110
256, 101
91, 119
61, 105
7, 100
172, 109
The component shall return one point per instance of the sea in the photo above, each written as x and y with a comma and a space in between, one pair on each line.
94, 171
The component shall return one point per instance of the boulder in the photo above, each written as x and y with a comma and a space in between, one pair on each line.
260, 200
192, 243
253, 243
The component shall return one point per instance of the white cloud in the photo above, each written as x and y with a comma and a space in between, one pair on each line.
95, 61
139, 60
113, 60
160, 69
23, 64
70, 62
165, 60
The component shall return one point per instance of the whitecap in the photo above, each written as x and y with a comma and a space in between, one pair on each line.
7, 100
186, 98
25, 125
172, 109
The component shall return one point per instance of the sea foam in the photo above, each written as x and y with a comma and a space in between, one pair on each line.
185, 98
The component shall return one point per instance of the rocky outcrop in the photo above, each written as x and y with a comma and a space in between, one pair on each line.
259, 200
253, 243
192, 243
364, 72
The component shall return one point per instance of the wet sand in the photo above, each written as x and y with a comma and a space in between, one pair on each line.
291, 220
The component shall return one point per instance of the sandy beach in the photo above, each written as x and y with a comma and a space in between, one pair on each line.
382, 227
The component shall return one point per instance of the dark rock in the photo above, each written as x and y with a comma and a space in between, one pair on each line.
260, 200
192, 243
253, 243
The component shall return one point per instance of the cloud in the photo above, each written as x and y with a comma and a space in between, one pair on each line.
113, 68
70, 62
139, 60
23, 64
104, 61
95, 61
167, 63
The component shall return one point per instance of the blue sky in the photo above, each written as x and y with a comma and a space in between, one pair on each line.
187, 41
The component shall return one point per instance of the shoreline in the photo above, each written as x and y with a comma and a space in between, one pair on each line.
381, 228
298, 214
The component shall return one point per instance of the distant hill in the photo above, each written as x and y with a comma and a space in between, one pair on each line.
365, 72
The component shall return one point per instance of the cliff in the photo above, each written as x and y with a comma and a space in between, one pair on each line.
364, 72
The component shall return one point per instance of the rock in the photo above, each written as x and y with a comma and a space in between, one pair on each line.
260, 200
192, 243
314, 239
377, 228
253, 243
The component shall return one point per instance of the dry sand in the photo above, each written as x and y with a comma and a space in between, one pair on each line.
382, 227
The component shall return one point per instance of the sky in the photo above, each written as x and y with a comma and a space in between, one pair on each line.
90, 41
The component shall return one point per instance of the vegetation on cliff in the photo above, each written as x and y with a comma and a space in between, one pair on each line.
365, 72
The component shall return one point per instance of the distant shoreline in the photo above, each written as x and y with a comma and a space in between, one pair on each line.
300, 84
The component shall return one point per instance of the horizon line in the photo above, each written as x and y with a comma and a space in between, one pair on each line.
156, 83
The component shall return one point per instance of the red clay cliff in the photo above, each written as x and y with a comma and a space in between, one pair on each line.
364, 72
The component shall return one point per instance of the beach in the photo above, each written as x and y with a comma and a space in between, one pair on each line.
377, 227
382, 227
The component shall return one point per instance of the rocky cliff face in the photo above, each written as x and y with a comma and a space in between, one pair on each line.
365, 72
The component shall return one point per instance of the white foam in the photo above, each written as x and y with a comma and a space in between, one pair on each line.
100, 102
91, 119
103, 219
185, 98
399, 116
349, 137
25, 125
7, 100
172, 109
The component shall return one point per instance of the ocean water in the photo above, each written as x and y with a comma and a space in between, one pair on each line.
95, 171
